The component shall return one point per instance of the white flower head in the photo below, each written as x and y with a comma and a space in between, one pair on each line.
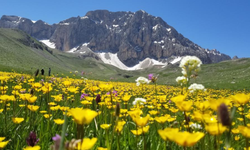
184, 72
191, 63
195, 126
195, 87
142, 80
181, 80
139, 101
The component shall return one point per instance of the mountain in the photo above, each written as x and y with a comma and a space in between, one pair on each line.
131, 36
24, 54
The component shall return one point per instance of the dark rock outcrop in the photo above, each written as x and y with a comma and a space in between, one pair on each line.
235, 58
133, 36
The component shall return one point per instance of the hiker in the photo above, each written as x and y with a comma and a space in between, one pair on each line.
49, 71
42, 72
37, 72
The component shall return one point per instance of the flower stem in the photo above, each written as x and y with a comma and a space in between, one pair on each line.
245, 124
118, 142
145, 142
63, 131
5, 118
107, 139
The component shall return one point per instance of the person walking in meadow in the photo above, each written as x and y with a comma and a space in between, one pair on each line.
49, 71
36, 72
42, 72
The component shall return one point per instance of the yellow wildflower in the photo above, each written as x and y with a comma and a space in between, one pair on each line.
3, 143
43, 111
33, 107
126, 98
73, 89
47, 116
105, 126
106, 87
140, 130
32, 148
187, 139
67, 83
135, 113
57, 98
236, 138
179, 98
141, 121
162, 119
59, 121
235, 131
32, 99
101, 148
184, 105
153, 112
85, 102
241, 98
245, 131
83, 116
47, 87
119, 126
17, 120
36, 85
165, 134
215, 128
86, 144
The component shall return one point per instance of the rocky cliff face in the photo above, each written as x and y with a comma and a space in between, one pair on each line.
133, 36
37, 29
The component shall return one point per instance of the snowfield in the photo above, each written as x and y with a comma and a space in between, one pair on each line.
112, 59
48, 43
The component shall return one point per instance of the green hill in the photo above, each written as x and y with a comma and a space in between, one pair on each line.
22, 53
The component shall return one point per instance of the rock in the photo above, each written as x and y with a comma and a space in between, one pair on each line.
235, 57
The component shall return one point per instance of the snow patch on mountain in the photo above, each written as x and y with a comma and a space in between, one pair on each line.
155, 27
74, 49
49, 43
177, 59
84, 17
213, 51
66, 23
112, 59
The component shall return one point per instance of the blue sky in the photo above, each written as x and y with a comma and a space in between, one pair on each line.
214, 24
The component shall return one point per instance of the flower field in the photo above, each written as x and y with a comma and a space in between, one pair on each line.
41, 112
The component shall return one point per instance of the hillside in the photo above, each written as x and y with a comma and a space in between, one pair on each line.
22, 53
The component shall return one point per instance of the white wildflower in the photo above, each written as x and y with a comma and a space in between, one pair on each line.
195, 87
139, 101
181, 80
184, 72
142, 80
195, 126
189, 64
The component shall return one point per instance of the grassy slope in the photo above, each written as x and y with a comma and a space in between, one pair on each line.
17, 56
232, 74
21, 58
